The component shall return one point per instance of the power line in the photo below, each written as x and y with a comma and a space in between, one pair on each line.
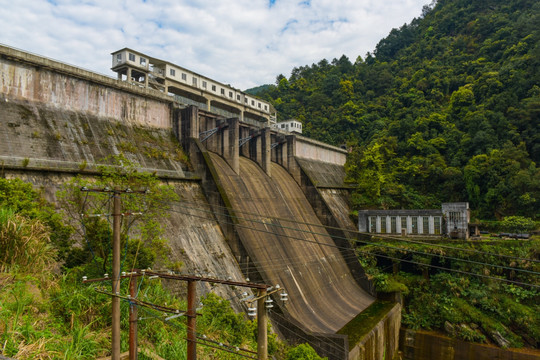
377, 244
389, 257
356, 232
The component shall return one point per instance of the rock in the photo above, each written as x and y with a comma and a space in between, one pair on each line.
449, 328
499, 339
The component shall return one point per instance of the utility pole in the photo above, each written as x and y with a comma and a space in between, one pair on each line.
191, 321
116, 277
262, 337
133, 351
116, 265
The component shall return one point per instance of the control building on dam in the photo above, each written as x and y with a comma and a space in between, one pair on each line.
279, 205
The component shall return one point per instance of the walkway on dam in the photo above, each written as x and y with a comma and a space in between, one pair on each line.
323, 294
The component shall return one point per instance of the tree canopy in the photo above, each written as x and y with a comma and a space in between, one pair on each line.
445, 108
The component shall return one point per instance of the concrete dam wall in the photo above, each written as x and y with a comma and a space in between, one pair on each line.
58, 121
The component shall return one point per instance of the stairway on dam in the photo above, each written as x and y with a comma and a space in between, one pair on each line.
289, 246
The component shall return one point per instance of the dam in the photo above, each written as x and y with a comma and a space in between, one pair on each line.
271, 194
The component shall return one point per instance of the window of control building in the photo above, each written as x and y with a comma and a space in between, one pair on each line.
118, 57
184, 76
194, 82
143, 61
131, 57
204, 84
172, 72
213, 87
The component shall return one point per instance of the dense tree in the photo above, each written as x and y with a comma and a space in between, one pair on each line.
458, 91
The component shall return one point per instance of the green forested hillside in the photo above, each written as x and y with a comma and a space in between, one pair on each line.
447, 108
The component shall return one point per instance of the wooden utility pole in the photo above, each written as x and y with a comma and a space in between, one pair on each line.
262, 337
191, 321
133, 351
117, 218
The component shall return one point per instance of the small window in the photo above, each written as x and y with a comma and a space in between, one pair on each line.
414, 224
230, 94
266, 107
425, 225
246, 100
238, 97
213, 87
184, 77
204, 84
372, 224
393, 224
259, 105
222, 91
252, 102
437, 225
383, 224
282, 126
131, 57
194, 81
172, 72
143, 61
118, 58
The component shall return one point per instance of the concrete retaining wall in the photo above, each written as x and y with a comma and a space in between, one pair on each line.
382, 341
422, 345
33, 78
316, 150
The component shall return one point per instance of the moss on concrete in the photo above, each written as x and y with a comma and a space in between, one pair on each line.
364, 322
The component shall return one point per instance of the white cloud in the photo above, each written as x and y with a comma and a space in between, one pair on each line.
240, 42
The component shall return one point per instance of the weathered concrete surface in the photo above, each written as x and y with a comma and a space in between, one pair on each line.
382, 341
194, 237
316, 150
29, 77
322, 173
423, 345
38, 136
286, 249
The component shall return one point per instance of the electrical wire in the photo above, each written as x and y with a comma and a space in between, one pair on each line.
381, 245
354, 231
394, 258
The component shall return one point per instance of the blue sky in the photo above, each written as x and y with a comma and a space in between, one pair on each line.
244, 43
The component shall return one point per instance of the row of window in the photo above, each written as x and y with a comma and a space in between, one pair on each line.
194, 82
402, 221
132, 58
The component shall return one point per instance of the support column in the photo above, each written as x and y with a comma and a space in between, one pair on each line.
208, 104
129, 75
234, 138
292, 166
266, 154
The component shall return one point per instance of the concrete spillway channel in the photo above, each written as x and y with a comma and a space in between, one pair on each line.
288, 246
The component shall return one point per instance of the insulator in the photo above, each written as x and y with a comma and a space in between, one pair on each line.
252, 312
106, 275
237, 348
268, 303
128, 190
220, 344
84, 278
277, 286
284, 296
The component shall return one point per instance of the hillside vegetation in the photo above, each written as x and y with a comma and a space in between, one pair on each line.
446, 108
